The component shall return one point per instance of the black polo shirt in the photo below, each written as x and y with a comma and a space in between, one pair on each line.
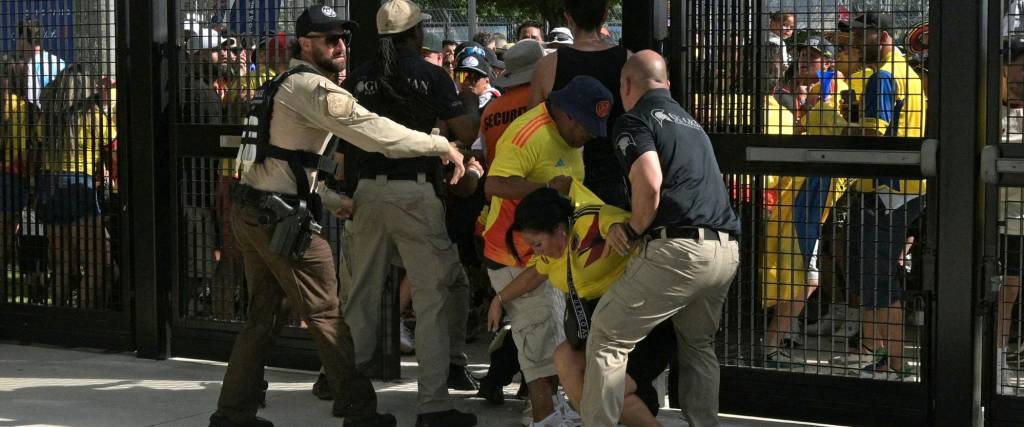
432, 97
692, 190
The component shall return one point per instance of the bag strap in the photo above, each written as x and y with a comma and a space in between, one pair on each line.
577, 305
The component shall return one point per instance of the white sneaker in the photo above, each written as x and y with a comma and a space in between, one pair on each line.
570, 418
553, 420
405, 342
826, 324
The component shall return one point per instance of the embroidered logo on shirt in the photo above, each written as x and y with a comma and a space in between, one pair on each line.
560, 163
661, 116
625, 140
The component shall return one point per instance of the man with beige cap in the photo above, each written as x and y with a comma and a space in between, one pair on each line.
398, 211
307, 109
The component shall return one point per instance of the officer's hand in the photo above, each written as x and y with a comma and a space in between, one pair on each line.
561, 184
346, 209
619, 239
494, 315
216, 255
454, 156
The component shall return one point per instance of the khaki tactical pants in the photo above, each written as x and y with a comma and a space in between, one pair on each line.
683, 279
311, 286
407, 217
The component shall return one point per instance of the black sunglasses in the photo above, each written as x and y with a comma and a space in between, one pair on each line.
332, 39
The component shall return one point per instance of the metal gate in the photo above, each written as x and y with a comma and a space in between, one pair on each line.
61, 228
223, 52
830, 317
1001, 167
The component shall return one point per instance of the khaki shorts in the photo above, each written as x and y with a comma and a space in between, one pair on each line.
536, 323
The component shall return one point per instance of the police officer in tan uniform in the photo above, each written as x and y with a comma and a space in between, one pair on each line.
308, 107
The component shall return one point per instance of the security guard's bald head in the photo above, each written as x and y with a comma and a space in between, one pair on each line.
643, 72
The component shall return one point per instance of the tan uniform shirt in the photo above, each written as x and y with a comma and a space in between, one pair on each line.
309, 108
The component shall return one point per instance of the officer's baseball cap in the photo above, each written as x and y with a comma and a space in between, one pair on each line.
396, 16
587, 102
872, 21
321, 19
819, 44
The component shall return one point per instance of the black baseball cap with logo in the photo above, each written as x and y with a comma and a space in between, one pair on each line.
322, 19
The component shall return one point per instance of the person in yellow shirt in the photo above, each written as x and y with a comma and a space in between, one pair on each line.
75, 129
542, 148
14, 154
803, 205
564, 232
884, 211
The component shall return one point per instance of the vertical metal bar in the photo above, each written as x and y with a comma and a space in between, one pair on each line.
147, 32
990, 198
678, 53
957, 330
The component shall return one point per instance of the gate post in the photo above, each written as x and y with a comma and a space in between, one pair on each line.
955, 367
645, 25
142, 65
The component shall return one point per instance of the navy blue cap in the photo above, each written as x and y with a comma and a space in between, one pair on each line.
587, 102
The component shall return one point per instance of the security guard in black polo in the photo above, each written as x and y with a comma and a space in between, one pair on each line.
397, 208
684, 233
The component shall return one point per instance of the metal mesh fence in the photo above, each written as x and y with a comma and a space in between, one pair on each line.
763, 67
1010, 213
229, 48
59, 198
826, 284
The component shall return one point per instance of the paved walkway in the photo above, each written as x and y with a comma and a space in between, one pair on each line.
52, 386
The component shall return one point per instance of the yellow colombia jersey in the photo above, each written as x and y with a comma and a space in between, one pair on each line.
792, 230
92, 131
531, 148
803, 205
824, 117
734, 110
14, 134
595, 265
895, 104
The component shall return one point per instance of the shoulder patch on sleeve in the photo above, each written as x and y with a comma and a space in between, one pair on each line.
624, 141
340, 105
339, 102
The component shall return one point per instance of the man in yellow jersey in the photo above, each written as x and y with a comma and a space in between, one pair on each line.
882, 210
788, 264
542, 148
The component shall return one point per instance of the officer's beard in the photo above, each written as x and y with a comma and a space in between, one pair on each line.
326, 62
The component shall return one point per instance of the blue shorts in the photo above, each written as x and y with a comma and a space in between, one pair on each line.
64, 198
13, 195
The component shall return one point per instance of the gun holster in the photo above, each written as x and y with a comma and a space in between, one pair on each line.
293, 226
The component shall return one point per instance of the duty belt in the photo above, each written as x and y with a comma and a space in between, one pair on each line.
685, 233
243, 193
400, 176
